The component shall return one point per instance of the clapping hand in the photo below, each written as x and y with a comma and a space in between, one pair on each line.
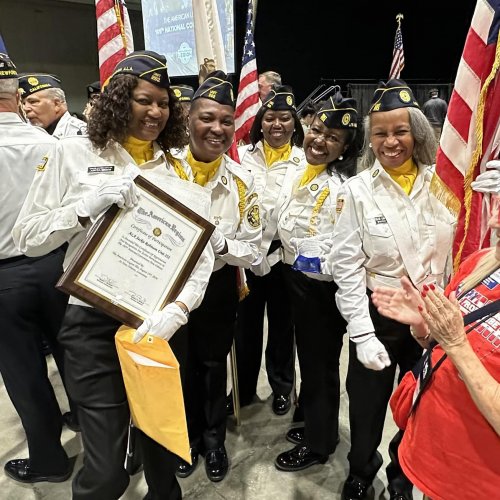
399, 304
444, 318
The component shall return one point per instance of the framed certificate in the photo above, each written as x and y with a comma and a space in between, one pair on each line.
135, 261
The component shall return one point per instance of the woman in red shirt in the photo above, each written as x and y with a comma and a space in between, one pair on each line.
450, 408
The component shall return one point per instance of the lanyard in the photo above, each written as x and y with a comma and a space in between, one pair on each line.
423, 369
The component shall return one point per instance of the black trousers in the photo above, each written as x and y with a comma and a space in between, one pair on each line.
369, 392
211, 332
31, 308
96, 384
267, 290
319, 327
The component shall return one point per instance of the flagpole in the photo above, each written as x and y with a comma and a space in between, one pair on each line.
398, 60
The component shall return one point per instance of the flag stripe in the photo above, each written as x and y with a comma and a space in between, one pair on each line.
247, 103
114, 35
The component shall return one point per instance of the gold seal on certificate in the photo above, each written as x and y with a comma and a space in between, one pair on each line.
135, 261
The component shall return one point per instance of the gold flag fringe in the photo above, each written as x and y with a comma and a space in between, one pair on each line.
445, 195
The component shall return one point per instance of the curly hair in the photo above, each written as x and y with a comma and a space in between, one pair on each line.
424, 150
257, 135
112, 112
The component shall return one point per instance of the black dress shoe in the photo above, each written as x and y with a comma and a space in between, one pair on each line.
399, 495
355, 489
216, 464
281, 404
298, 458
185, 469
70, 420
295, 435
20, 470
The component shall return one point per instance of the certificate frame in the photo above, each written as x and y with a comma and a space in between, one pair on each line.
109, 234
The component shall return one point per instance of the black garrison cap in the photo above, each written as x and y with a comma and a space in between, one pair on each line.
183, 93
34, 82
394, 94
145, 64
337, 112
7, 67
216, 87
280, 99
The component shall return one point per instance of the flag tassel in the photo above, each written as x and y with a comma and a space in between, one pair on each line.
478, 128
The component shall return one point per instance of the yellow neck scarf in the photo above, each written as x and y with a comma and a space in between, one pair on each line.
404, 175
140, 151
202, 171
276, 154
311, 172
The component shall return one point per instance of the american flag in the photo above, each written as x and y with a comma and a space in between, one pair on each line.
247, 103
114, 35
398, 55
471, 132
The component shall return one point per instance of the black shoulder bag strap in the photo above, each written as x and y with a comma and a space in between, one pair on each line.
423, 369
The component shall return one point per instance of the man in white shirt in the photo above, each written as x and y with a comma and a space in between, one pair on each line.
30, 306
44, 103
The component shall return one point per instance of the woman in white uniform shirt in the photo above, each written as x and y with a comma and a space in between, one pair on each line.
132, 126
305, 227
273, 158
235, 213
389, 225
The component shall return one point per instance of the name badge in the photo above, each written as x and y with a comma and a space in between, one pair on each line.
380, 220
101, 169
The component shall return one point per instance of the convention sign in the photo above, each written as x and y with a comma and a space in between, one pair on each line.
135, 261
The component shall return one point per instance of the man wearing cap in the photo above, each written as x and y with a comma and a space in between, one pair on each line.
30, 306
93, 91
44, 103
435, 110
389, 225
235, 212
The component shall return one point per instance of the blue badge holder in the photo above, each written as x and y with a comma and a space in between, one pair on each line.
307, 264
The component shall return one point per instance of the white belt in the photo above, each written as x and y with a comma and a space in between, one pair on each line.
275, 257
288, 257
373, 280
218, 264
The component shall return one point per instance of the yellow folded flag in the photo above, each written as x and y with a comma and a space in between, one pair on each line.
154, 392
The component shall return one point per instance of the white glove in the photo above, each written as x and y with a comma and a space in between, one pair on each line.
316, 246
120, 190
162, 323
218, 241
489, 181
260, 267
372, 353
